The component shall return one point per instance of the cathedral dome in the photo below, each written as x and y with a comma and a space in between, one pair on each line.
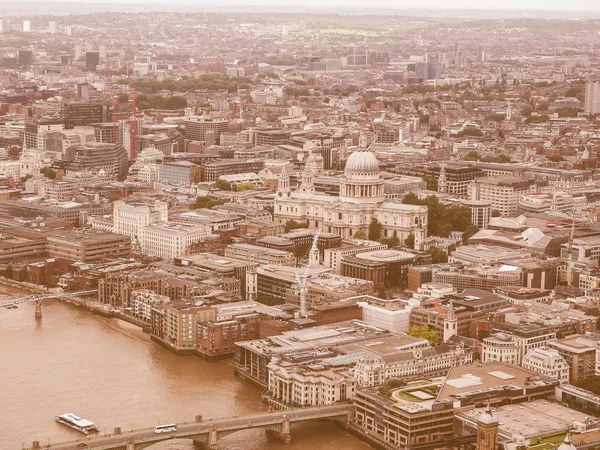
362, 161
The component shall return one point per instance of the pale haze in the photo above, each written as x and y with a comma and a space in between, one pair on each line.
590, 5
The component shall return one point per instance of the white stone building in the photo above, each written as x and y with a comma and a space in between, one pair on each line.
361, 199
142, 302
170, 240
391, 315
306, 386
373, 370
512, 348
547, 362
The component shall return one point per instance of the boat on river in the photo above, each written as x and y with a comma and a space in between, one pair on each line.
77, 423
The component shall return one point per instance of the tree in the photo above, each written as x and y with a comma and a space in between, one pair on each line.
293, 225
471, 156
438, 255
205, 202
432, 184
410, 241
76, 223
526, 111
9, 271
381, 292
360, 234
538, 119
393, 242
48, 172
386, 389
499, 117
374, 230
555, 158
590, 384
424, 332
441, 219
470, 231
474, 132
25, 178
123, 98
244, 187
496, 213
224, 185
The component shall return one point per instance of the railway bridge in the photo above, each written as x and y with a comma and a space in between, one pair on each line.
208, 433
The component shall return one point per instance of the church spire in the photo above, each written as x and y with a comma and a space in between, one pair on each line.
442, 186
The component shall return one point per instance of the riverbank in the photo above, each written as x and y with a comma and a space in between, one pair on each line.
91, 306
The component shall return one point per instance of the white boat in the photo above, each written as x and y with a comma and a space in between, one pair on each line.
77, 423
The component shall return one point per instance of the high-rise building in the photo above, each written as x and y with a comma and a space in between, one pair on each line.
26, 26
592, 98
68, 30
83, 91
52, 27
84, 113
78, 51
104, 159
482, 53
24, 57
1, 26
92, 59
196, 128
102, 51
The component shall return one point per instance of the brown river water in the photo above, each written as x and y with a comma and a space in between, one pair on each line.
109, 371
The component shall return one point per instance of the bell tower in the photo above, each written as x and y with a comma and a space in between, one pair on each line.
450, 324
487, 430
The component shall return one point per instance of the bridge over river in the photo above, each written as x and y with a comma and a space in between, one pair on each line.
278, 423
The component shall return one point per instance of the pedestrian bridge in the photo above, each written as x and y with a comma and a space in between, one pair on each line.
208, 433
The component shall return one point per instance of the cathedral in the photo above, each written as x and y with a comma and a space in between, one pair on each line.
361, 199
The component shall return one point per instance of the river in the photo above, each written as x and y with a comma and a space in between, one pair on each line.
109, 371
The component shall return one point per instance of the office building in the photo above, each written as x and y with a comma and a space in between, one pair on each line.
196, 128
84, 113
180, 172
503, 192
592, 98
107, 160
52, 27
26, 26
212, 171
24, 57
92, 60
547, 362
181, 324
580, 355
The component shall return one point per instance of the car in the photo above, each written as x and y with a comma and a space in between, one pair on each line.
83, 444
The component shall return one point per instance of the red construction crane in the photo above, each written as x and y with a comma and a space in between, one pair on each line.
132, 129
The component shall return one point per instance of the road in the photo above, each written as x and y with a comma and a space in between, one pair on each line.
190, 429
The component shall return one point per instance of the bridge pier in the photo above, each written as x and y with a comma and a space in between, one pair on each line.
211, 443
285, 435
130, 444
38, 310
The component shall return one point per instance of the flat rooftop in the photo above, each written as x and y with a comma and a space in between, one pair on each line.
482, 377
531, 419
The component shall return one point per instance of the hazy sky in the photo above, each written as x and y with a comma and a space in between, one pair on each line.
571, 5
